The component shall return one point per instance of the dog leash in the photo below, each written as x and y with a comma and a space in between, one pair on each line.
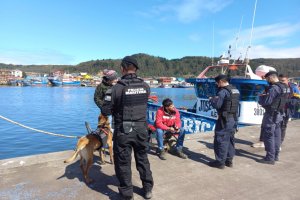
102, 129
37, 130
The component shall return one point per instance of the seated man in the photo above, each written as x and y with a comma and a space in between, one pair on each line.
168, 120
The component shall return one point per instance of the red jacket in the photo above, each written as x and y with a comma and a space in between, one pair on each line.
164, 120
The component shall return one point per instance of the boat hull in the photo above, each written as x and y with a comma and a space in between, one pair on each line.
54, 82
191, 122
250, 112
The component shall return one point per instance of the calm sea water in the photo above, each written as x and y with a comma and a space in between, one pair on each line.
61, 110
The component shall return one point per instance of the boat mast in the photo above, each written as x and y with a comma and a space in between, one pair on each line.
246, 56
237, 38
213, 45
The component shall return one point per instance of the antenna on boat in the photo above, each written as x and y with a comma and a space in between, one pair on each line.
237, 39
213, 45
229, 53
246, 56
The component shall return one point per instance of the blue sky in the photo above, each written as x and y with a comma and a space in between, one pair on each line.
74, 31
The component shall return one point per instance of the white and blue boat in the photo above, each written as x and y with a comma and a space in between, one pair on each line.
249, 84
203, 117
66, 80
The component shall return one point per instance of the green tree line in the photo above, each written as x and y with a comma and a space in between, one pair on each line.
152, 66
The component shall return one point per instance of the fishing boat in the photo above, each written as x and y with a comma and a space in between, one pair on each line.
248, 83
202, 117
39, 81
66, 80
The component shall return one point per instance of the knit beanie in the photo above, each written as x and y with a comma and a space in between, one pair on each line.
110, 75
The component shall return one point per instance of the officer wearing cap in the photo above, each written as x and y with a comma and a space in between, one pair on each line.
273, 100
128, 105
226, 102
109, 79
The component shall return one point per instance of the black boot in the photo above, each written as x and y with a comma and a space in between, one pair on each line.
264, 161
161, 154
148, 194
126, 198
216, 164
180, 154
228, 163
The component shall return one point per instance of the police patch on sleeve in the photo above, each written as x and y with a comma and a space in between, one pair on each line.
107, 98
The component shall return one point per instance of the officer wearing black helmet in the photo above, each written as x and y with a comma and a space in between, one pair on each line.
273, 100
127, 102
226, 102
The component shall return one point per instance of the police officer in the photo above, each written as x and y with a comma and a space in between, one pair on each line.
110, 78
273, 100
226, 102
288, 111
128, 105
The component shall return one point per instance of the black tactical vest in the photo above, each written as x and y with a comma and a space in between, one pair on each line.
279, 103
231, 103
134, 101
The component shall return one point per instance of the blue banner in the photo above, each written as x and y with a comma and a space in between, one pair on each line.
191, 122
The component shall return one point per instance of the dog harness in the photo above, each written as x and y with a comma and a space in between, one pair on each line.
101, 135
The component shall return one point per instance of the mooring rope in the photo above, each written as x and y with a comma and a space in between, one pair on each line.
37, 130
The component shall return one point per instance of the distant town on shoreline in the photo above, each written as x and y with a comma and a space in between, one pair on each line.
16, 77
152, 66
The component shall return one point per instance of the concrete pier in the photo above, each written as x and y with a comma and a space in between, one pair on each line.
46, 177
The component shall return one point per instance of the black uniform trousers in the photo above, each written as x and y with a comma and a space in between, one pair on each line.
284, 124
271, 127
224, 140
123, 145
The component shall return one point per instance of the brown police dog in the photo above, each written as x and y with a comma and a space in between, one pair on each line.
86, 146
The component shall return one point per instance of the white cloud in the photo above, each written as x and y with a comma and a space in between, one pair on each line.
261, 51
186, 10
269, 41
262, 33
190, 10
275, 31
36, 57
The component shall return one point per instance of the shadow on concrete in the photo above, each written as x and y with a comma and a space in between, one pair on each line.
198, 157
245, 142
152, 150
237, 140
239, 152
101, 181
246, 154
207, 144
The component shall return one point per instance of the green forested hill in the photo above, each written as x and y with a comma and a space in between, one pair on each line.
189, 66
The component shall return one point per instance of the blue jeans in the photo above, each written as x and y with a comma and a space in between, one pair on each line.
160, 139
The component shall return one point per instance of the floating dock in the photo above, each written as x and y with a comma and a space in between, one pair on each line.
46, 177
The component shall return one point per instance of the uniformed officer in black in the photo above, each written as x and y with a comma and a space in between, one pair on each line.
226, 102
128, 105
273, 100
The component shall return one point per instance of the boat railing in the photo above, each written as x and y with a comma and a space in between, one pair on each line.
234, 70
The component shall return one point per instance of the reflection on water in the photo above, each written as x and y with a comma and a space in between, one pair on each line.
61, 110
